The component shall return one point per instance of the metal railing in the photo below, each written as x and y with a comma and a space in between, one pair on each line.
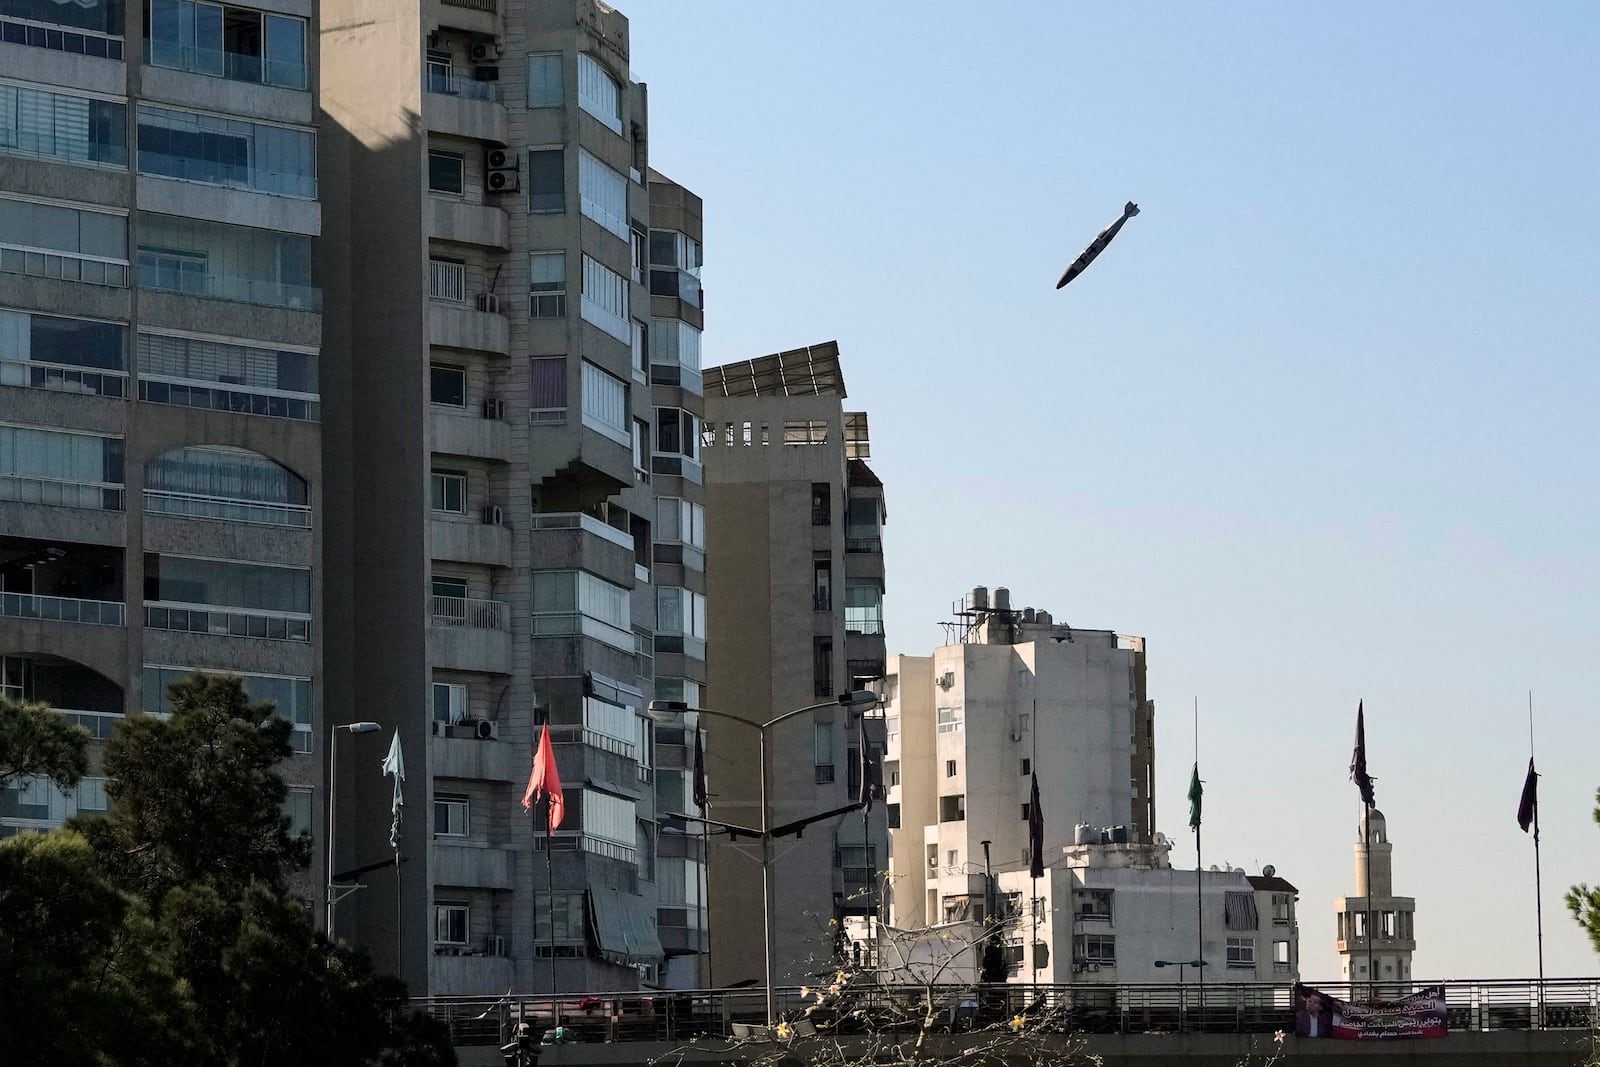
229, 398
95, 496
475, 5
447, 281
229, 622
471, 613
447, 82
268, 292
100, 724
1228, 1008
577, 520
62, 378
196, 506
61, 609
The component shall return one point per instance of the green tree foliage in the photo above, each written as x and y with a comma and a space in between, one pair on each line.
1585, 902
38, 742
165, 931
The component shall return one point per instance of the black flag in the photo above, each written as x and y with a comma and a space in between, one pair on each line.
869, 783
1358, 761
699, 772
1035, 832
1528, 809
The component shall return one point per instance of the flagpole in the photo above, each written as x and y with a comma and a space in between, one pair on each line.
1372, 972
550, 890
1538, 891
1199, 881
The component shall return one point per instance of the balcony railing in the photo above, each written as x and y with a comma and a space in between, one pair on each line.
447, 281
576, 520
62, 609
60, 378
471, 613
447, 82
223, 398
583, 735
91, 495
195, 506
100, 724
567, 623
267, 292
863, 544
475, 5
228, 622
585, 843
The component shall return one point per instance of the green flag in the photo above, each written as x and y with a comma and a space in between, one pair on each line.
1195, 793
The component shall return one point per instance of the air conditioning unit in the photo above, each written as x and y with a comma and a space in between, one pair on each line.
500, 171
493, 515
495, 945
486, 730
494, 409
947, 679
489, 302
484, 52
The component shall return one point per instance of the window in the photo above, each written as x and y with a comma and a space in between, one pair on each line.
31, 337
894, 816
290, 696
637, 242
446, 172
675, 266
822, 665
547, 180
603, 194
1282, 909
450, 922
1242, 952
74, 470
641, 349
449, 702
641, 449
98, 16
891, 771
297, 808
243, 263
823, 745
677, 433
605, 403
1093, 904
1027, 767
863, 606
1280, 955
54, 241
547, 285
227, 583
577, 602
1100, 949
450, 815
949, 768
949, 720
1026, 805
448, 491
447, 385
821, 504
77, 129
229, 484
953, 808
598, 93
822, 585
231, 152
544, 80
227, 42
605, 300
548, 384
863, 524
675, 355
566, 911
609, 818
228, 377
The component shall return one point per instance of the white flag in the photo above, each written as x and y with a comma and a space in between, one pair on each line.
394, 763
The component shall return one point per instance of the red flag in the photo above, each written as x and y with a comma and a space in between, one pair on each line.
544, 781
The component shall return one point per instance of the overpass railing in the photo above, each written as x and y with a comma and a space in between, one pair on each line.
1238, 1008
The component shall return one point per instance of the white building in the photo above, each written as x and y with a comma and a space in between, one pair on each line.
1015, 695
1390, 916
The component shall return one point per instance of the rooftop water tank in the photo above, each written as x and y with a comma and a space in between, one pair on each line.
1084, 834
979, 598
1002, 598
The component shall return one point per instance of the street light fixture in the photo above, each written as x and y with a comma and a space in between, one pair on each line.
668, 710
332, 896
1181, 964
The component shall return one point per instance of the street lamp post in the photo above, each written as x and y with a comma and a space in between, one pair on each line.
332, 896
666, 710
1181, 964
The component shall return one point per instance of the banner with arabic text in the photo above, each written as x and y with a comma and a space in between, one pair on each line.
1420, 1014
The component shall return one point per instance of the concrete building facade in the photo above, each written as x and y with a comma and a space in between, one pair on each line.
1380, 953
516, 455
794, 524
162, 498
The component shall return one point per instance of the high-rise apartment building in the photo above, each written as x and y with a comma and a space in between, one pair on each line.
161, 491
514, 445
794, 520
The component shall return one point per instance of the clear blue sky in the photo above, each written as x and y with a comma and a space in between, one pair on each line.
1321, 425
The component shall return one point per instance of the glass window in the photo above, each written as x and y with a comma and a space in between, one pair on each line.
1241, 952
227, 262
290, 696
641, 348
237, 43
448, 491
450, 815
605, 300
680, 611
563, 911
297, 807
608, 817
548, 382
603, 194
226, 151
544, 80
56, 241
227, 583
100, 16
863, 606
65, 469
447, 385
255, 381
31, 337
446, 172
451, 922
231, 484
286, 51
605, 403
78, 129
547, 180
598, 93
449, 700
547, 285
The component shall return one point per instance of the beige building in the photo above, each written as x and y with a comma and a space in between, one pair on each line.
1381, 953
162, 499
514, 443
794, 521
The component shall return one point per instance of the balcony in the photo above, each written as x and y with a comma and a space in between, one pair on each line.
469, 224
458, 432
471, 866
468, 757
470, 635
227, 622
60, 378
100, 724
460, 107
61, 609
223, 509
457, 975
95, 496
577, 541
486, 543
